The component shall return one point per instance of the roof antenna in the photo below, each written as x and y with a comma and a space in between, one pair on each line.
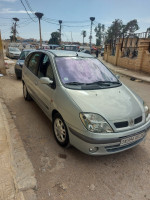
76, 54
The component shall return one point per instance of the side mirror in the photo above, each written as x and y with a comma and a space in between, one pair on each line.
117, 76
46, 80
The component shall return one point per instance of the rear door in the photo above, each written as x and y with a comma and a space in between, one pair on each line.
30, 74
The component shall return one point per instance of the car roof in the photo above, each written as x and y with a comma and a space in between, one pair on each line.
63, 53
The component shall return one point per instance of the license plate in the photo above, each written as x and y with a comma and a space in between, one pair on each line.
131, 139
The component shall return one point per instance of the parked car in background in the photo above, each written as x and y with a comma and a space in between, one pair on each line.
20, 62
45, 46
13, 52
53, 46
88, 106
86, 51
71, 47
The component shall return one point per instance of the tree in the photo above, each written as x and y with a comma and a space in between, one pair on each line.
115, 30
13, 37
100, 31
83, 33
131, 27
55, 38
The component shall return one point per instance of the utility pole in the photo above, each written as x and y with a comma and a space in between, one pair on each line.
14, 28
39, 16
60, 22
92, 19
2, 64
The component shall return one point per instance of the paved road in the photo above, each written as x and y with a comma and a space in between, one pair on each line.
69, 174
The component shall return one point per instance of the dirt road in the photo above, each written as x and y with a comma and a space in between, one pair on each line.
69, 174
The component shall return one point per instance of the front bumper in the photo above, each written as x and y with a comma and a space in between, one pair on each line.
109, 143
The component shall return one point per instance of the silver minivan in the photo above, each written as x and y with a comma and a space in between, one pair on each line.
88, 106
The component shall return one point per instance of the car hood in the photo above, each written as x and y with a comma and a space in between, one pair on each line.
116, 103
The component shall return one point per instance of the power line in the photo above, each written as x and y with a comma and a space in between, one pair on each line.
49, 19
26, 10
50, 22
56, 20
23, 25
28, 4
87, 25
26, 21
80, 22
77, 26
11, 18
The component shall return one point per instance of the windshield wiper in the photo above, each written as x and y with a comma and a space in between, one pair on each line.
107, 83
74, 83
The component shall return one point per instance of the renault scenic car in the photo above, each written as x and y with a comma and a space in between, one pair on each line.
88, 106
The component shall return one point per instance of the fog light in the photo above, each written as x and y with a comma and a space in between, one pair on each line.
93, 149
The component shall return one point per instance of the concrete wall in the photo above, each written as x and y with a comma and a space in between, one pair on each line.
139, 63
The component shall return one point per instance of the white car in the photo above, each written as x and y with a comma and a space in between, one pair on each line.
13, 52
88, 106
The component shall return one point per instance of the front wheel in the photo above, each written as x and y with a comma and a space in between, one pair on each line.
26, 95
60, 130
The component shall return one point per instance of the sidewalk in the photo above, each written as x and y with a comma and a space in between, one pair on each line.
17, 179
7, 186
137, 75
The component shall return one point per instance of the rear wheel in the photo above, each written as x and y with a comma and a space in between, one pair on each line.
60, 130
26, 95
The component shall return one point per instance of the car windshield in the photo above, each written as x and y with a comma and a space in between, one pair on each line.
84, 72
14, 49
23, 55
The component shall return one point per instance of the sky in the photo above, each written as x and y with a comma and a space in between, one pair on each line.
75, 15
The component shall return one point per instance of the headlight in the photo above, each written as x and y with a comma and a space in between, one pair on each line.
146, 109
95, 123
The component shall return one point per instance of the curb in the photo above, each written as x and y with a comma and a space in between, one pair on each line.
23, 172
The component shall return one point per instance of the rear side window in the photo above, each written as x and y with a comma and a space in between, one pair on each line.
33, 63
45, 68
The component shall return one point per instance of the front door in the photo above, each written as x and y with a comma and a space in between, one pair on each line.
45, 92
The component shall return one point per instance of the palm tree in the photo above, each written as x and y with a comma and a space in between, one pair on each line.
84, 35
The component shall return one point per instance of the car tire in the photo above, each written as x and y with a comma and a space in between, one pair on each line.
60, 131
26, 95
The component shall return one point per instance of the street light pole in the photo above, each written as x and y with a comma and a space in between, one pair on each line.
92, 19
14, 28
39, 16
60, 22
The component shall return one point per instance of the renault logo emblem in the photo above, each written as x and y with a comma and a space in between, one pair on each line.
131, 122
